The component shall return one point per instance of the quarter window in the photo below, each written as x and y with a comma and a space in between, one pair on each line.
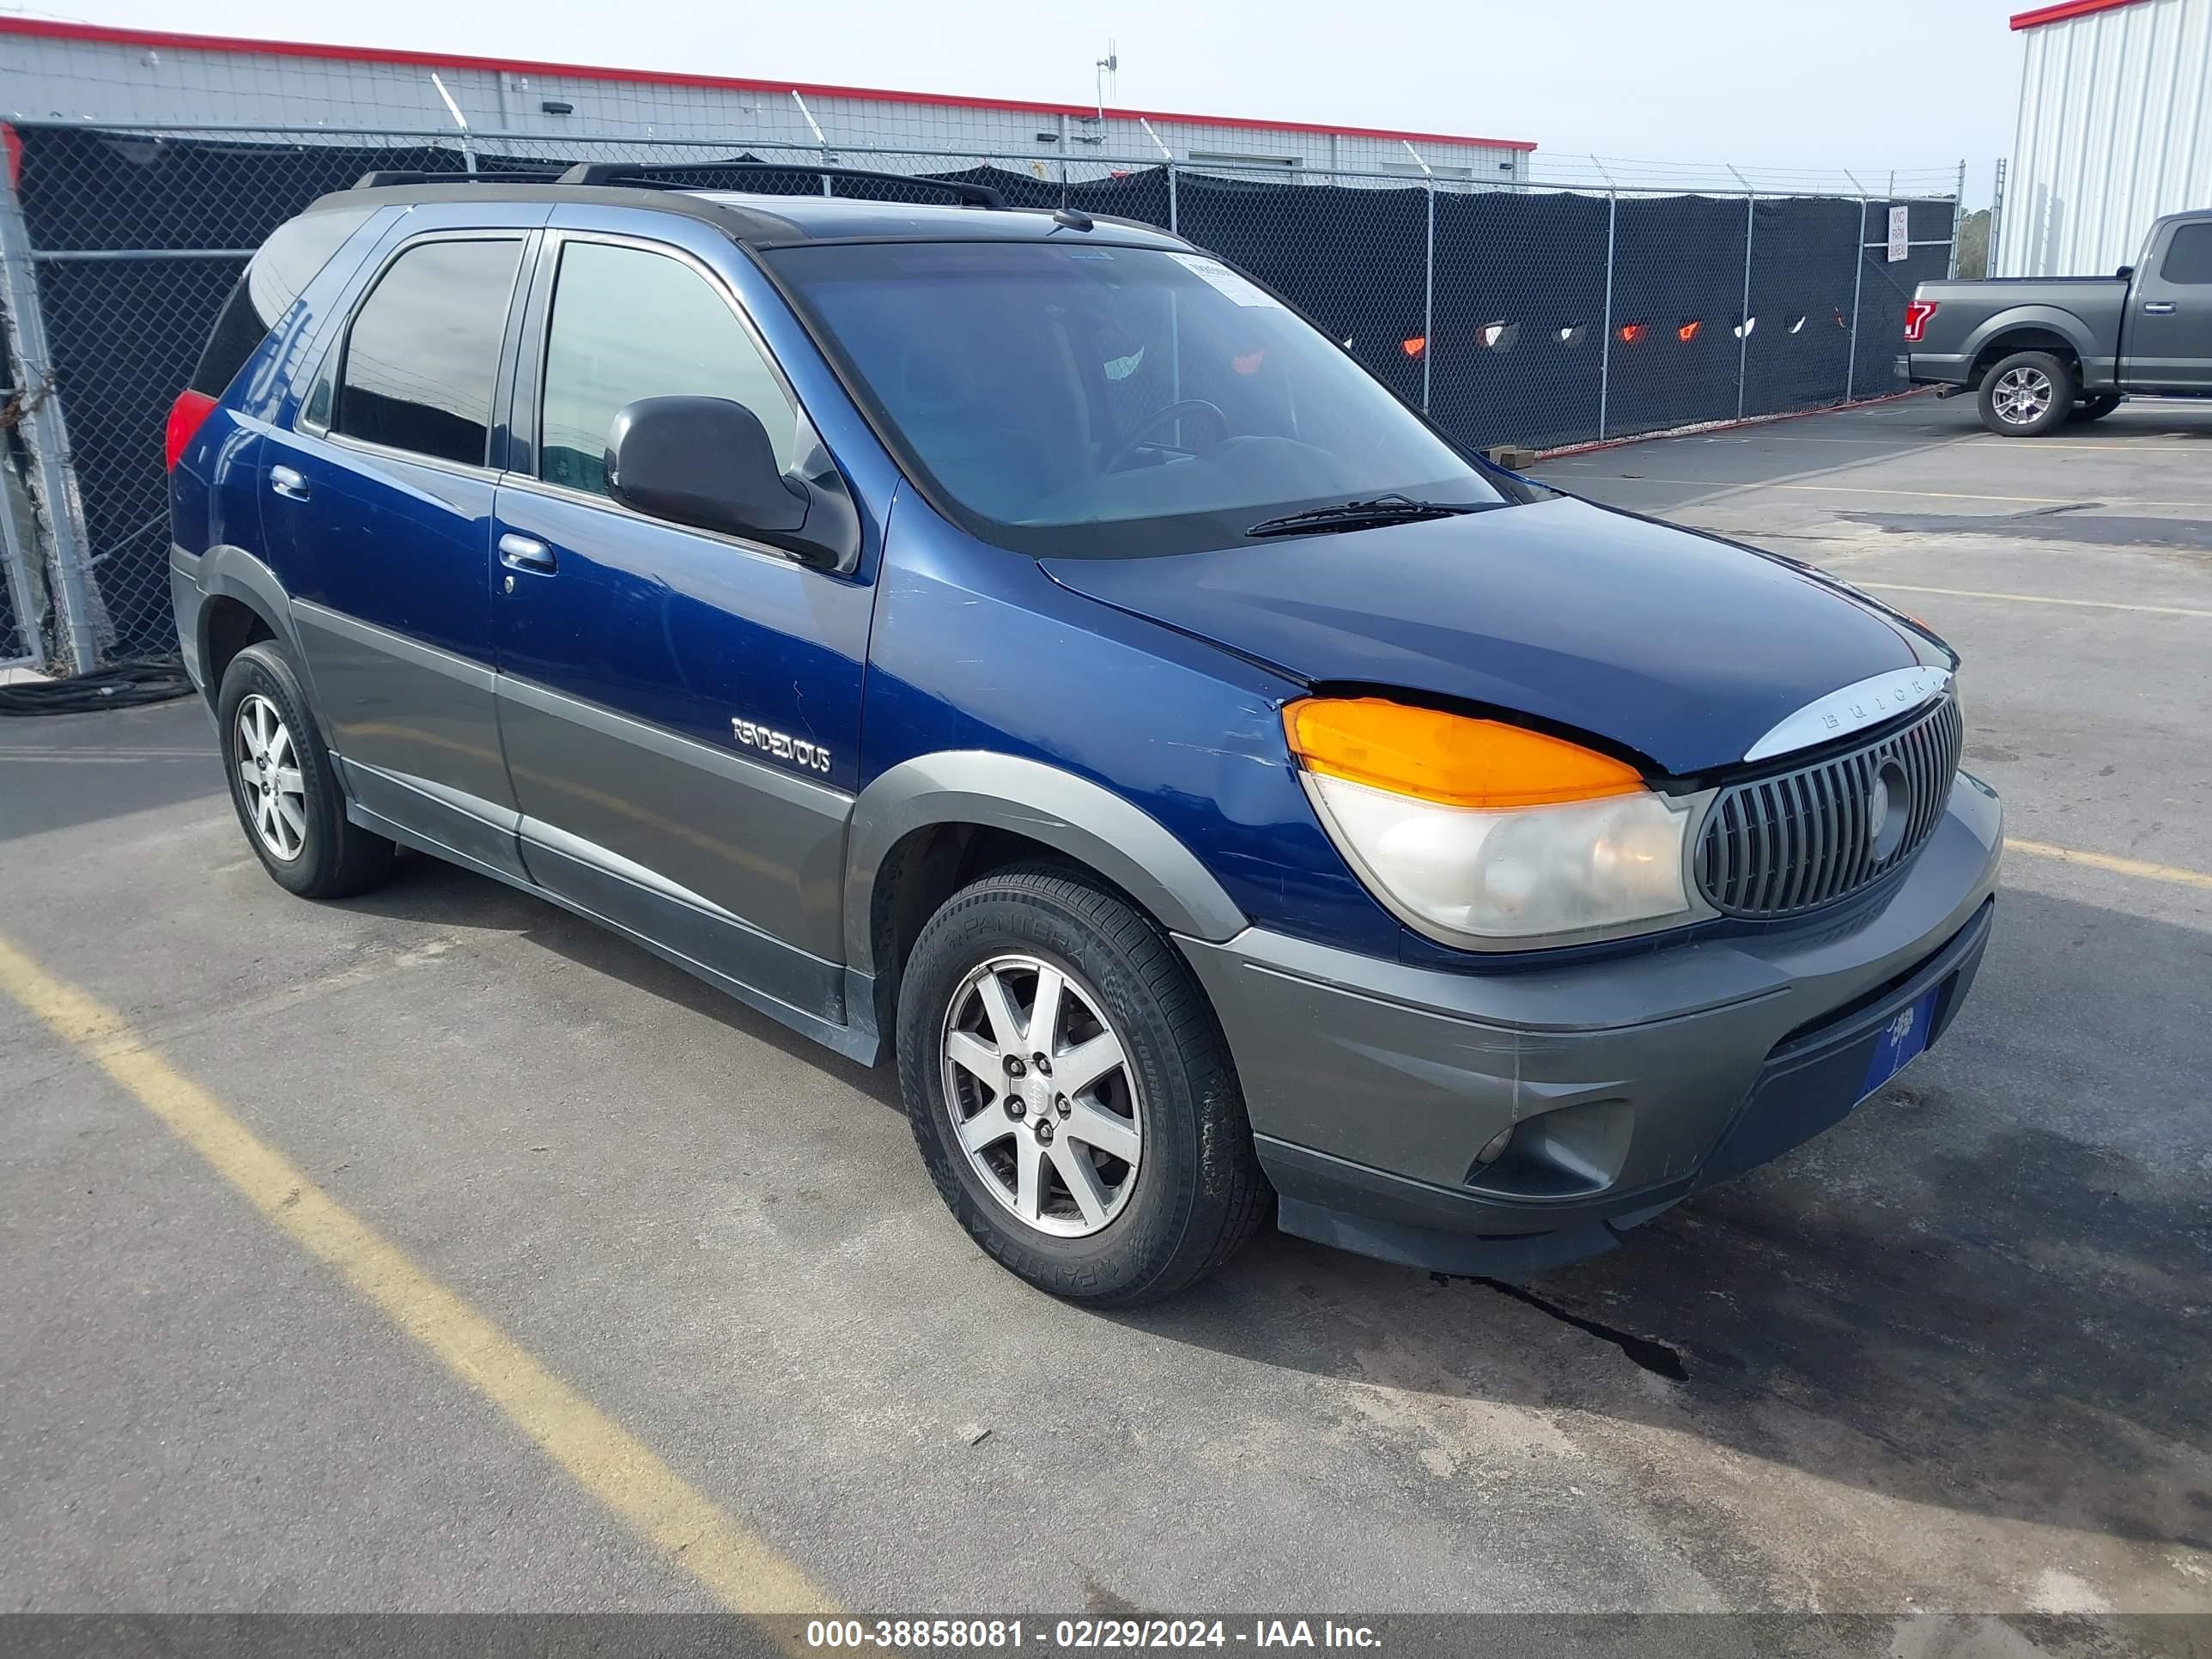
2189, 255
290, 259
629, 323
423, 355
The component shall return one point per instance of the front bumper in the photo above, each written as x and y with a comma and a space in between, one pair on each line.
1626, 1083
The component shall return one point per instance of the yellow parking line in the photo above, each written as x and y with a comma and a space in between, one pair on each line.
738, 1568
2172, 872
2034, 599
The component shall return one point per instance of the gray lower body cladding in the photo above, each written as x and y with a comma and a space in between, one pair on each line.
1505, 1121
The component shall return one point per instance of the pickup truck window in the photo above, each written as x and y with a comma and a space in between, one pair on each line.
2189, 256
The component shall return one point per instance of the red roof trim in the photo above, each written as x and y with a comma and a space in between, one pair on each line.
2064, 10
56, 31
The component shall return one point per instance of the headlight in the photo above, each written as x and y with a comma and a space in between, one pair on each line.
1486, 836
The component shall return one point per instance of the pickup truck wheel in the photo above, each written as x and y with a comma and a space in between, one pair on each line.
2026, 395
284, 786
2095, 409
1071, 1091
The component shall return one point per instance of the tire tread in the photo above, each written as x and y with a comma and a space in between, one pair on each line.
2061, 403
344, 859
1232, 1200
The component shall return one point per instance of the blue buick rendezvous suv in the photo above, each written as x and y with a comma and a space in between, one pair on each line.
1023, 644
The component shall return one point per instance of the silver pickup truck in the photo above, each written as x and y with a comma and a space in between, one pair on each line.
2042, 350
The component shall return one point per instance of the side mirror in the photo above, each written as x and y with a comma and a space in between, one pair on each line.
708, 462
2125, 273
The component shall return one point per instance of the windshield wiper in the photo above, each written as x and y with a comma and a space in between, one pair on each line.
1360, 514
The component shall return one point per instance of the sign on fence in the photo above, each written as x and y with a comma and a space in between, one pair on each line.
1901, 232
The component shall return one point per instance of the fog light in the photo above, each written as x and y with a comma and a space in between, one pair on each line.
1494, 1148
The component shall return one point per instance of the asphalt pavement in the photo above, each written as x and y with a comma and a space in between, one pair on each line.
1950, 1356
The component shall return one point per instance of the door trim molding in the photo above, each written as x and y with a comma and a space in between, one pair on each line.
857, 1039
450, 822
822, 797
539, 835
477, 676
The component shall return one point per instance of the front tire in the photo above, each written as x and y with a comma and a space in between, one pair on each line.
2026, 394
1071, 1090
284, 786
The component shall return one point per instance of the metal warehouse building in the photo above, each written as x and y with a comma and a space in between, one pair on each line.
113, 76
2115, 129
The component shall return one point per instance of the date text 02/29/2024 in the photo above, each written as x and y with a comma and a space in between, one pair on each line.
1085, 1635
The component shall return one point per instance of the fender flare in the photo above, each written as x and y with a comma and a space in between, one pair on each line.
2096, 368
1071, 814
232, 573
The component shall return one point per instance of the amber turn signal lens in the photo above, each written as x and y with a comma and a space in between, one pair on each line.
1447, 758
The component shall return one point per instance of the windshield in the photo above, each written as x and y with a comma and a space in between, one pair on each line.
1067, 398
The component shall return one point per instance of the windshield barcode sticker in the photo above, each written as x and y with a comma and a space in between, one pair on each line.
1218, 276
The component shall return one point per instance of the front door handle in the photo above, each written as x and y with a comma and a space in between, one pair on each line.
288, 483
524, 552
2157, 308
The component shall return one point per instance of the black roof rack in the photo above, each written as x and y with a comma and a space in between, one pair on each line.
637, 175
381, 177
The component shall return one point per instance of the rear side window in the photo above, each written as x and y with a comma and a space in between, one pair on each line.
290, 259
423, 354
629, 324
2189, 255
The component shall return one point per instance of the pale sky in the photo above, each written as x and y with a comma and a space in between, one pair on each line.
1864, 84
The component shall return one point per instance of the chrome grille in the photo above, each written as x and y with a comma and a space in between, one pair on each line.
1783, 845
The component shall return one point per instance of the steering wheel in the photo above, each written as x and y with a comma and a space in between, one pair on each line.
1160, 417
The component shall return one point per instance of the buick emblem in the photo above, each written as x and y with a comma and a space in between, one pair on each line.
1887, 803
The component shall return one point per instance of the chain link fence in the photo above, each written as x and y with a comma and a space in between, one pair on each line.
22, 603
1537, 315
22, 573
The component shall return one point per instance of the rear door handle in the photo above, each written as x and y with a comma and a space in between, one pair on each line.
524, 552
2157, 308
286, 482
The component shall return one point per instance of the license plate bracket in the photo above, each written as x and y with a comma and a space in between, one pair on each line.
1901, 1042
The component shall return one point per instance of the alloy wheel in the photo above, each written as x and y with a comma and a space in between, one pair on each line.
2023, 396
1044, 1103
268, 775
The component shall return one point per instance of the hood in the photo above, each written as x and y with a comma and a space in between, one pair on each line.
1683, 648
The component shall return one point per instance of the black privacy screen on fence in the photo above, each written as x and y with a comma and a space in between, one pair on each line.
1527, 316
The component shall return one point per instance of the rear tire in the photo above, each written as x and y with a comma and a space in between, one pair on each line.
1141, 1176
2096, 408
2026, 394
284, 786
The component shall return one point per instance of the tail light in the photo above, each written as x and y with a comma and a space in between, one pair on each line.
185, 416
1917, 314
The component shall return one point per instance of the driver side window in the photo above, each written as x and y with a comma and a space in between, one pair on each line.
628, 323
